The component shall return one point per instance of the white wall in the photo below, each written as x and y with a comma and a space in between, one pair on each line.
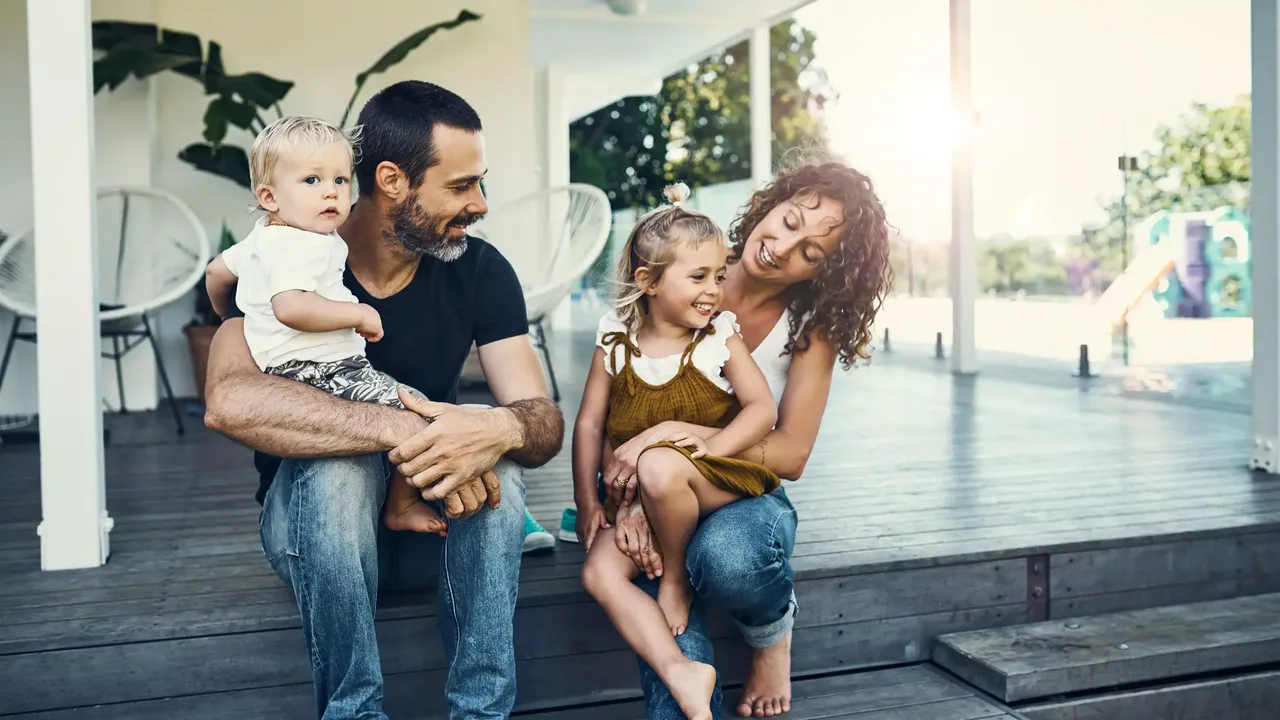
321, 50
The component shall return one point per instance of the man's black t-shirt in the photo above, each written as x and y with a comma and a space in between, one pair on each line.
429, 326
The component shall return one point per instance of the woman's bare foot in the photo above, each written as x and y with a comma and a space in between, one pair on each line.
768, 689
692, 684
675, 597
416, 516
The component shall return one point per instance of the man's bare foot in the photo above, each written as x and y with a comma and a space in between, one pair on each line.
768, 689
416, 516
692, 685
675, 597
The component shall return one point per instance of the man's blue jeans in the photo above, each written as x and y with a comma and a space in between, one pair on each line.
739, 561
322, 532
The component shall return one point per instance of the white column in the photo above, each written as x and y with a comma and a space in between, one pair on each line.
555, 163
761, 99
73, 533
1264, 216
964, 257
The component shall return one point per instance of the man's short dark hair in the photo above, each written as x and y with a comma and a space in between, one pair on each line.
397, 125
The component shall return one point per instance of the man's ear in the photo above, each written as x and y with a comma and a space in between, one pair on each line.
391, 180
267, 198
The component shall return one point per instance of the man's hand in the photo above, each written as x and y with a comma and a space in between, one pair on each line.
458, 448
468, 499
633, 538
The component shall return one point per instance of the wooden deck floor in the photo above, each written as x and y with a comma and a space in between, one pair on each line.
931, 505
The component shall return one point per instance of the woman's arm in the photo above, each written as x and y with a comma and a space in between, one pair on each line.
588, 434
758, 414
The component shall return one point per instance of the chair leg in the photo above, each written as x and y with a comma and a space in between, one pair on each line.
540, 337
115, 355
8, 348
164, 376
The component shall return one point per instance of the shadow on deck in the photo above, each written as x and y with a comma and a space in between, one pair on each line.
931, 505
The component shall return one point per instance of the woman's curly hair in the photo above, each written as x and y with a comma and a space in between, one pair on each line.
840, 303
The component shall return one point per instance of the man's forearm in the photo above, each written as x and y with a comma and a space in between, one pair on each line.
540, 426
288, 418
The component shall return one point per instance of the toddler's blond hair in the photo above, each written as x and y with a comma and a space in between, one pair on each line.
288, 134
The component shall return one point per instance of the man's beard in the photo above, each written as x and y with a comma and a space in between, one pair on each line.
418, 231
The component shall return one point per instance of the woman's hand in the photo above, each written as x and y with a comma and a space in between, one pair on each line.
635, 540
619, 476
591, 520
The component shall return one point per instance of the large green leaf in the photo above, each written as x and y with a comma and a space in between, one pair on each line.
227, 161
123, 61
107, 34
224, 112
260, 90
213, 69
400, 51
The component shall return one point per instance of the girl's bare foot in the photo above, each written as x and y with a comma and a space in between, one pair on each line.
768, 689
675, 597
692, 684
416, 516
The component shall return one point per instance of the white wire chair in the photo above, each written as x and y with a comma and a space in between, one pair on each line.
573, 222
151, 251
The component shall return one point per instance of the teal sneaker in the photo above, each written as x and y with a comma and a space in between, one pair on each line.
536, 538
569, 525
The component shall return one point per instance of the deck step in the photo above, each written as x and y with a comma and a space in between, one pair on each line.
1250, 696
1064, 657
916, 692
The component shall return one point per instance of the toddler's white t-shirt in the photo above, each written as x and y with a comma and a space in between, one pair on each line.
274, 259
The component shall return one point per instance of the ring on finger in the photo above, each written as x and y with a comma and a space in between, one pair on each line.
622, 481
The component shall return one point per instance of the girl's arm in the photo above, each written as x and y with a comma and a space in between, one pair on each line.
758, 413
588, 434
786, 449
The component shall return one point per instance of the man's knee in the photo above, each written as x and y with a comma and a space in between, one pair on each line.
336, 501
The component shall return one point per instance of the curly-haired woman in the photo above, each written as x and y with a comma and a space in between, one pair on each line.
809, 268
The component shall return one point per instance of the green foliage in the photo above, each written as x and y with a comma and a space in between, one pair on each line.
397, 54
141, 50
697, 129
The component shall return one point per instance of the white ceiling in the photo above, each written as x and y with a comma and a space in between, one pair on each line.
608, 56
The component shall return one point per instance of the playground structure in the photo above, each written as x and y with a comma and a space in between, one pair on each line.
1189, 264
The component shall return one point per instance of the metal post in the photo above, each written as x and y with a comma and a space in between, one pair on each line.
1264, 216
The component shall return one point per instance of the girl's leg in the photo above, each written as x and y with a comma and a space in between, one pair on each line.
405, 510
675, 495
607, 575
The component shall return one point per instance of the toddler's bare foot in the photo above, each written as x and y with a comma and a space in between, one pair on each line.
768, 689
692, 686
416, 516
675, 597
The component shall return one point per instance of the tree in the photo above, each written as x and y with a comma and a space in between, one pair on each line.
1200, 162
697, 129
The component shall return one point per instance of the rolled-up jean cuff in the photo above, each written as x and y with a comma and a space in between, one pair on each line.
763, 636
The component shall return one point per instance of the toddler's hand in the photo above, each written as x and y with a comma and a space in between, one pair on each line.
370, 326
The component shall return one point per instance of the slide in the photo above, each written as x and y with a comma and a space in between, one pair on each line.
1137, 281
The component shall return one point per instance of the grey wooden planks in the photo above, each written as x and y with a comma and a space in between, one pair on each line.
904, 692
1070, 656
1252, 696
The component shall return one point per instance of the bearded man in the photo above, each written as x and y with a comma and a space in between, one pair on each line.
325, 462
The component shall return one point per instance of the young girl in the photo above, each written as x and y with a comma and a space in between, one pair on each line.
300, 320
666, 355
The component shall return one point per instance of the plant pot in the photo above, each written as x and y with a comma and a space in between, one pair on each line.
199, 337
